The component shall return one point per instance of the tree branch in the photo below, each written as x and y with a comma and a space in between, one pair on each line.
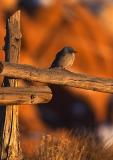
57, 76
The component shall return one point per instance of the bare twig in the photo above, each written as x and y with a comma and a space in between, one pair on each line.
57, 76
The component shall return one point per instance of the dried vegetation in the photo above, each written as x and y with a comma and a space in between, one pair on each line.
66, 147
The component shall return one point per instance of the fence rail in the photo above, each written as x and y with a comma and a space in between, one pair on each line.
12, 95
57, 76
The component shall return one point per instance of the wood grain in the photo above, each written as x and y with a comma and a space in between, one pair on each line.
10, 137
32, 95
57, 76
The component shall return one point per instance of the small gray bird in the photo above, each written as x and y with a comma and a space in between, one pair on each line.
64, 58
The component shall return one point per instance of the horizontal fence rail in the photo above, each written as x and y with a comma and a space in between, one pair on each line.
26, 95
56, 76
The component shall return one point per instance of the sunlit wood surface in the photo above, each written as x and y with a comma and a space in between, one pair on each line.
50, 30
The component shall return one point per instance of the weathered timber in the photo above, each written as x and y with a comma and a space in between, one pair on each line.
32, 95
57, 76
10, 138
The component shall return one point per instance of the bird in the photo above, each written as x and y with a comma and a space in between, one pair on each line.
64, 58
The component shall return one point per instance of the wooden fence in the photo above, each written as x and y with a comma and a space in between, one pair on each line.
11, 95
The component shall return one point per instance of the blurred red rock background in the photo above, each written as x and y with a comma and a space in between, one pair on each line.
84, 25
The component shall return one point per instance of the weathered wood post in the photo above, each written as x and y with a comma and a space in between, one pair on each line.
10, 138
10, 133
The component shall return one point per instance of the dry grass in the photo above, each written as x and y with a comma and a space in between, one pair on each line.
66, 147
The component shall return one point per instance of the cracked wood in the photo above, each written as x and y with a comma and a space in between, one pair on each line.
57, 76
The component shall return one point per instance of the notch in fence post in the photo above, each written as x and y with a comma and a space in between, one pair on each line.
10, 136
